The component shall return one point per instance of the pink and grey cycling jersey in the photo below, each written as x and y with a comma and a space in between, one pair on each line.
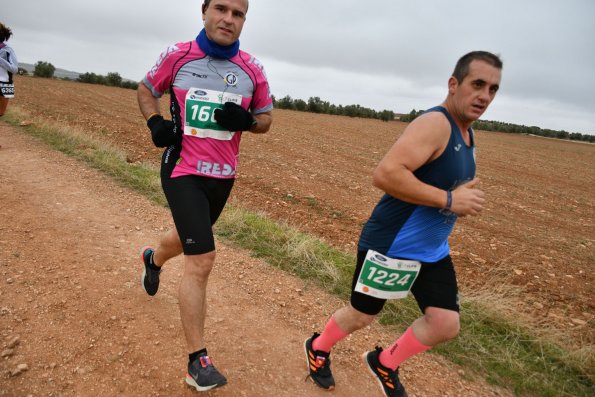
198, 85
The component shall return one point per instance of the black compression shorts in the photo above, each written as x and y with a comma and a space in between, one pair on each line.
435, 286
195, 203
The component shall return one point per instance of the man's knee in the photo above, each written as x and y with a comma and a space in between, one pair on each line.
199, 266
444, 323
356, 319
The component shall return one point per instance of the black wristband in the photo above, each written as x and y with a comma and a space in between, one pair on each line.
448, 199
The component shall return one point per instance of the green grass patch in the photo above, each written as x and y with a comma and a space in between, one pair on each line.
142, 178
288, 249
498, 349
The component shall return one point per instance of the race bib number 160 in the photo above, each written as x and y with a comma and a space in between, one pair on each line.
386, 278
200, 113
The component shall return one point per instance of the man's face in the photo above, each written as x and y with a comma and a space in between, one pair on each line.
478, 89
224, 20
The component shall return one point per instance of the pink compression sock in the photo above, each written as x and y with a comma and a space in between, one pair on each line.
406, 346
329, 337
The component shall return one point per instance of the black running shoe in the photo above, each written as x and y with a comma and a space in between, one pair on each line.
386, 377
203, 375
150, 278
319, 365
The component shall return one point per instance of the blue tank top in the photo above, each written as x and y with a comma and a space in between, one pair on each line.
409, 231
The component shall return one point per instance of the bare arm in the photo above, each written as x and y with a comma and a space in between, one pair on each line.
147, 103
263, 122
423, 141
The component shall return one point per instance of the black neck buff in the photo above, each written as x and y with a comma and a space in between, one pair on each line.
215, 50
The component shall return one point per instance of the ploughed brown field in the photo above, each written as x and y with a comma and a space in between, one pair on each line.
532, 249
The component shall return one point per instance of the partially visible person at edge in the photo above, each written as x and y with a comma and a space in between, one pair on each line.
428, 177
217, 91
8, 66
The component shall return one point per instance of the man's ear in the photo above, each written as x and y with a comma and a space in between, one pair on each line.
452, 84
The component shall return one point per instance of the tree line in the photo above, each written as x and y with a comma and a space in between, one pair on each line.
499, 126
113, 79
316, 105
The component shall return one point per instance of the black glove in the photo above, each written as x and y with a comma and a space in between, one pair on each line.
163, 132
233, 117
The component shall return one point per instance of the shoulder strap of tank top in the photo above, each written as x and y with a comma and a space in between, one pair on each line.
443, 110
453, 125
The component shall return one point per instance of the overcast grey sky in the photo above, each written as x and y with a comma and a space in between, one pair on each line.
391, 54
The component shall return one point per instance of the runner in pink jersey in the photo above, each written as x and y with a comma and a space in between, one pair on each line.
200, 84
216, 92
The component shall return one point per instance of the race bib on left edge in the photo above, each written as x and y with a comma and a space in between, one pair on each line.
7, 90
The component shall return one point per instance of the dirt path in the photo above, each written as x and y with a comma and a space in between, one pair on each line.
73, 312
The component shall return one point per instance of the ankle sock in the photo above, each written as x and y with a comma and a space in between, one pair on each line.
152, 264
196, 354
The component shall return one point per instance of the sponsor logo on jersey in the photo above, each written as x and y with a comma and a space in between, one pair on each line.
257, 63
164, 54
231, 79
208, 168
167, 153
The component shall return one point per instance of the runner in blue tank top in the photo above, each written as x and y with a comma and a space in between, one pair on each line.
428, 177
400, 229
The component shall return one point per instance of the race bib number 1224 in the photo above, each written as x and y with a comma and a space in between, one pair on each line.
386, 278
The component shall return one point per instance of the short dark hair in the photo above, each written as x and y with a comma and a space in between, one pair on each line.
5, 32
462, 68
206, 3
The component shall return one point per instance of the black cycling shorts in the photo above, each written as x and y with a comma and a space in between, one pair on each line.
435, 286
195, 203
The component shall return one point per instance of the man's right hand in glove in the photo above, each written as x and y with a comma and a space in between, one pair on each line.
233, 117
163, 132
